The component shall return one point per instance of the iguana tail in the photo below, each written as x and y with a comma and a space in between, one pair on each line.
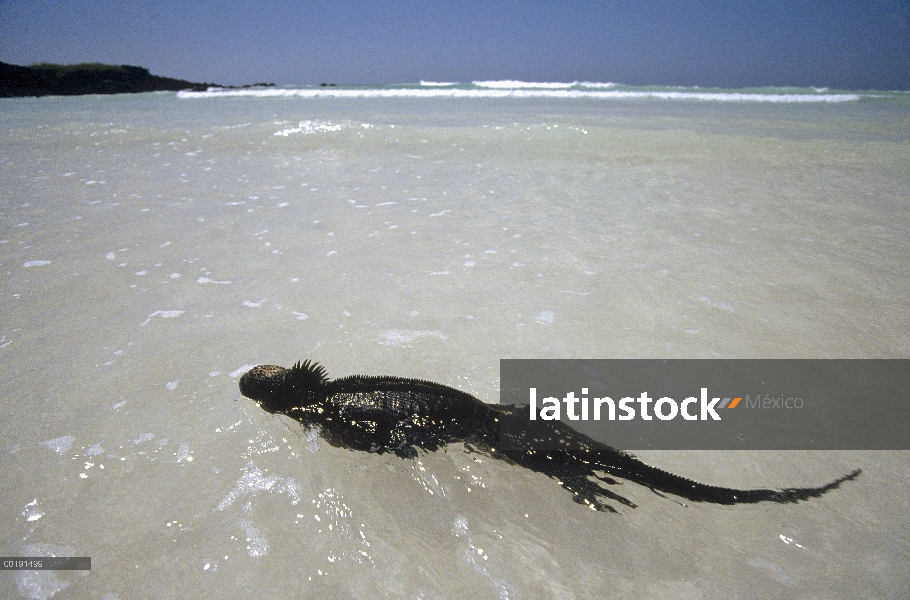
626, 466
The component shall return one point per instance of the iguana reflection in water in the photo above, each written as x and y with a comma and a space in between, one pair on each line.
396, 415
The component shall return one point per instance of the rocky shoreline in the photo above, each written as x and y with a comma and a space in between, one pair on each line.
74, 80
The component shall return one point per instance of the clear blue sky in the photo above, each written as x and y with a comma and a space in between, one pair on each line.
857, 44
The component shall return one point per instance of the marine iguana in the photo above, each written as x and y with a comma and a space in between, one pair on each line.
397, 415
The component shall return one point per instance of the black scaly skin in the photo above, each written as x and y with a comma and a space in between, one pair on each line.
392, 414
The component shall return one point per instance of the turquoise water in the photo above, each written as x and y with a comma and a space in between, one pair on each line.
153, 247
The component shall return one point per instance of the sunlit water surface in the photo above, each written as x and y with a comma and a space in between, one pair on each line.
152, 248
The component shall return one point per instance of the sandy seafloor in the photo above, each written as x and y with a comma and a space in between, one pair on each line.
153, 248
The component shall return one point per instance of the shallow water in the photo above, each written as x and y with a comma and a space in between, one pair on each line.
153, 248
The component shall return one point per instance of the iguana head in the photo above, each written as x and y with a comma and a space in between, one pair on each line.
277, 390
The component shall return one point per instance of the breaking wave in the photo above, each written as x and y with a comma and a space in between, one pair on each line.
526, 89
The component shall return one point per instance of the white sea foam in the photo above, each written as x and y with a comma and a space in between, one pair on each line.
511, 84
253, 481
95, 450
60, 444
402, 337
184, 453
310, 127
36, 263
438, 83
145, 437
257, 545
553, 91
545, 316
164, 314
31, 512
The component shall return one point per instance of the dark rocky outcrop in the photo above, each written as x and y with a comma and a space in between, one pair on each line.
93, 78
